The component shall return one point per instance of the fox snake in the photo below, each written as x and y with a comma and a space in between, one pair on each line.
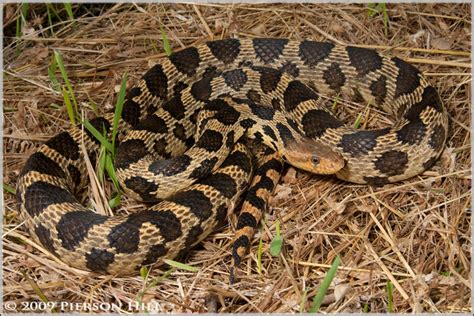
188, 121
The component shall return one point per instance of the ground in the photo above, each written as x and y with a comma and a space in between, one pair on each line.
413, 236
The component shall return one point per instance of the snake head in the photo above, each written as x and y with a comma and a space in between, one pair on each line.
314, 157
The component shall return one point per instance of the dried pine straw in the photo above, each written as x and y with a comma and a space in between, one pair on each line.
415, 234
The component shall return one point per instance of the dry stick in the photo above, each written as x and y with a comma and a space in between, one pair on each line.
32, 82
386, 270
317, 29
393, 246
350, 269
438, 62
43, 261
208, 30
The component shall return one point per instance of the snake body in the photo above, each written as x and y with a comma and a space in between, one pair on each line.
189, 116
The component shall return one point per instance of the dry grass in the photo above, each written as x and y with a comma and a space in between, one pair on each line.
415, 234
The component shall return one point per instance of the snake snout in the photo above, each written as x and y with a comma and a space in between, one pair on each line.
314, 157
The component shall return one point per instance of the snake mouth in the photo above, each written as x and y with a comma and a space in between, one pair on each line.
314, 157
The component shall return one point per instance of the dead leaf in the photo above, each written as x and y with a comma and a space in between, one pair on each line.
341, 291
290, 176
441, 43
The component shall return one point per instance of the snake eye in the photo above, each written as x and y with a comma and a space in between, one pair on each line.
315, 160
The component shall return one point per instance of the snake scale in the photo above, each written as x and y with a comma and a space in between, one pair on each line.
188, 121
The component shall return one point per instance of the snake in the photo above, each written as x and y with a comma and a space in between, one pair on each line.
210, 127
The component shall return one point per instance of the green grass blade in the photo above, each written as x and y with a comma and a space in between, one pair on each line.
102, 139
8, 188
24, 10
52, 75
118, 109
358, 120
325, 285
389, 297
277, 242
166, 42
60, 63
259, 255
69, 108
144, 272
180, 265
68, 8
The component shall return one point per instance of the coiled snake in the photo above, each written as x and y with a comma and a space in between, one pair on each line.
189, 117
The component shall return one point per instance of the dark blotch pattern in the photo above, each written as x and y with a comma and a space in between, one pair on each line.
263, 112
41, 163
193, 236
98, 260
247, 123
198, 203
379, 89
170, 167
179, 132
295, 93
130, 151
74, 174
268, 49
221, 215
361, 142
225, 50
364, 60
154, 124
227, 116
210, 140
239, 159
376, 181
285, 134
430, 98
392, 163
201, 89
186, 61
230, 139
64, 144
74, 226
430, 162
235, 78
312, 53
408, 77
131, 112
44, 235
244, 242
155, 252
40, 195
175, 108
276, 104
412, 133
205, 168
156, 81
334, 76
160, 148
290, 69
125, 237
269, 132
222, 183
178, 87
246, 219
437, 138
269, 78
253, 96
142, 187
316, 122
